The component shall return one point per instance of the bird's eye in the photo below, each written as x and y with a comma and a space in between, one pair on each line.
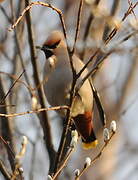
53, 46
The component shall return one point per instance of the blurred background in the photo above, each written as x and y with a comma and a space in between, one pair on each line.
116, 81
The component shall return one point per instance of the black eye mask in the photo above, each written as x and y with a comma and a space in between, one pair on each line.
48, 53
48, 49
53, 46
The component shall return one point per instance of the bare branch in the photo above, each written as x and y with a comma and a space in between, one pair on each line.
6, 129
87, 29
63, 164
4, 171
19, 81
34, 111
42, 4
78, 25
114, 10
5, 96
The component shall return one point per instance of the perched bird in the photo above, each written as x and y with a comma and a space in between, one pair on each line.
59, 77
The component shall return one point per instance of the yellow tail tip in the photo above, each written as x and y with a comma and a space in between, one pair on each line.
90, 145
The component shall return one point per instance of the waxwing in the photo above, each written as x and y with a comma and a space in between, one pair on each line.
58, 80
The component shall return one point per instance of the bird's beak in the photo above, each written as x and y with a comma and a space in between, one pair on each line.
48, 52
38, 47
41, 48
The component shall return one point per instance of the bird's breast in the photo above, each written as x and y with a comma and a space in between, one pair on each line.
57, 87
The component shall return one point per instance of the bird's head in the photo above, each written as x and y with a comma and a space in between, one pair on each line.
52, 43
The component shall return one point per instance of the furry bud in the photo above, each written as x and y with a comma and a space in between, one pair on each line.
77, 172
87, 161
113, 126
106, 135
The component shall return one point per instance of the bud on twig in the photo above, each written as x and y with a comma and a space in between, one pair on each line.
21, 169
74, 133
113, 126
74, 140
34, 103
77, 172
23, 148
87, 162
106, 135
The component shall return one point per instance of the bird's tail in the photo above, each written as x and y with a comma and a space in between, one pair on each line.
84, 125
90, 142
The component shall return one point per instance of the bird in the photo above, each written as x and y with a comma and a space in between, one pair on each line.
58, 78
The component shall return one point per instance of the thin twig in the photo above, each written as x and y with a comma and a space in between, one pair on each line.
5, 96
4, 171
5, 14
16, 170
45, 5
93, 70
131, 4
63, 164
34, 111
87, 29
30, 89
42, 4
21, 58
89, 61
129, 11
64, 133
78, 25
8, 147
115, 7
6, 129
